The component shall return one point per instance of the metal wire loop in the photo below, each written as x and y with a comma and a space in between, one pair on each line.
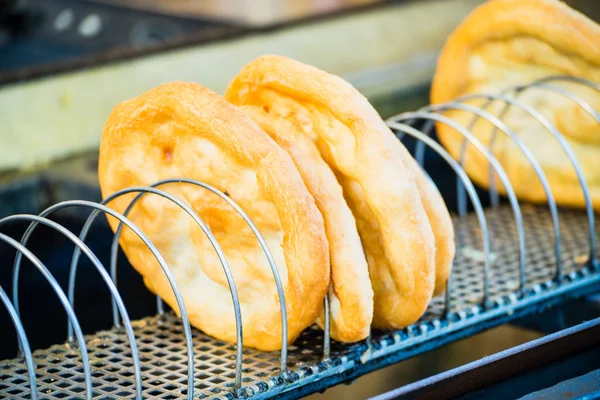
97, 208
80, 245
419, 153
536, 167
22, 250
542, 84
492, 189
494, 198
460, 172
24, 347
570, 78
326, 329
549, 126
255, 230
497, 167
140, 191
420, 148
563, 92
461, 199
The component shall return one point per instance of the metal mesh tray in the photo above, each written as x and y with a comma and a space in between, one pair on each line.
163, 353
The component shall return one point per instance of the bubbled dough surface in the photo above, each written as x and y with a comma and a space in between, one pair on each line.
181, 130
350, 293
372, 168
515, 54
399, 298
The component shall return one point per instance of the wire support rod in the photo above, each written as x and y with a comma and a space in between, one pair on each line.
22, 250
551, 128
460, 172
409, 116
24, 347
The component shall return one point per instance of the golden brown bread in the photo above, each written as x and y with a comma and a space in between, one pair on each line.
505, 43
185, 130
350, 294
382, 184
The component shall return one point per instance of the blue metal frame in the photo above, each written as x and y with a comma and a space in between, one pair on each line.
489, 377
409, 342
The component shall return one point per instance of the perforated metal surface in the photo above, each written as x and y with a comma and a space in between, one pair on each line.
162, 348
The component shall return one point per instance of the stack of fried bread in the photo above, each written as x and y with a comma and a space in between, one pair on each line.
345, 210
507, 43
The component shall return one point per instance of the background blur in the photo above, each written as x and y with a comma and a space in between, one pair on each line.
64, 64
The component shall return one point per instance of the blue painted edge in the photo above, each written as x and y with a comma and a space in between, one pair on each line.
427, 335
487, 360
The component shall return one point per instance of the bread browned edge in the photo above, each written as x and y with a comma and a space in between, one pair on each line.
211, 116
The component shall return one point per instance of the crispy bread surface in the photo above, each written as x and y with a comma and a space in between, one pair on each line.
185, 130
350, 293
382, 184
